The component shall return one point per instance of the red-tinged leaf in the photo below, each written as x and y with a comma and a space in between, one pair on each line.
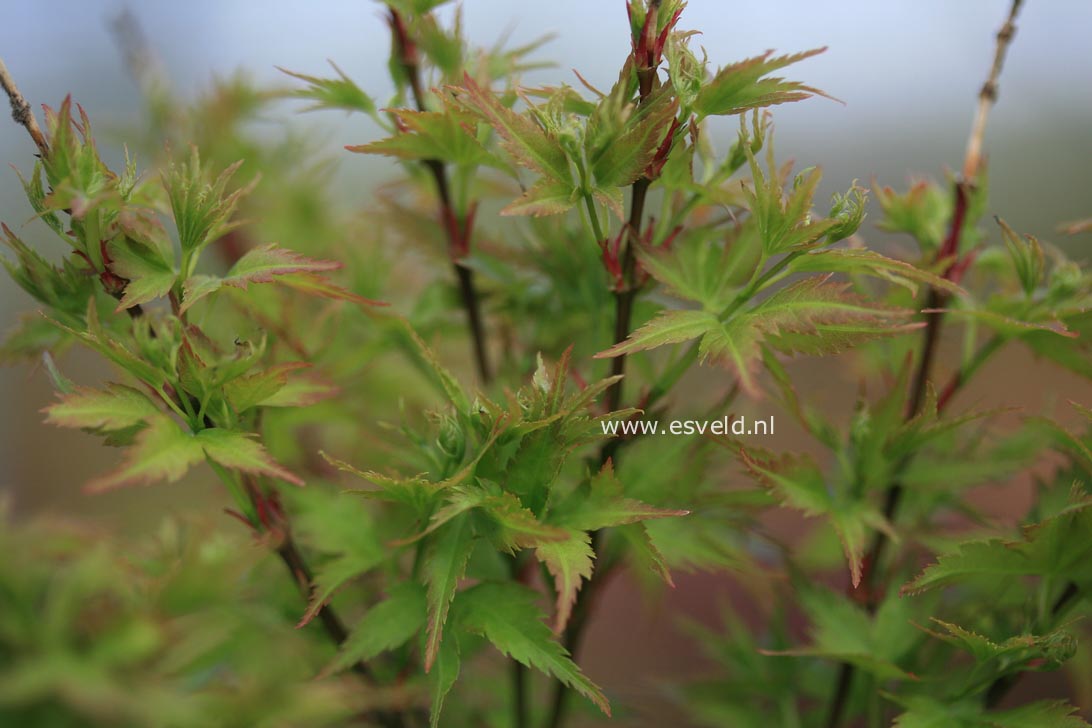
570, 564
670, 327
319, 286
816, 316
302, 391
605, 513
528, 144
1007, 325
260, 265
868, 262
743, 85
162, 451
115, 408
734, 345
545, 197
623, 160
430, 135
606, 506
239, 451
612, 199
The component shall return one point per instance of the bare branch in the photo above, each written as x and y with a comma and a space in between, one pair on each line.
987, 97
21, 111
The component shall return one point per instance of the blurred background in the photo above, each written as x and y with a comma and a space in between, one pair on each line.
907, 72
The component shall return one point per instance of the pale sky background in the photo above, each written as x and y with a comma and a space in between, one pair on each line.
908, 70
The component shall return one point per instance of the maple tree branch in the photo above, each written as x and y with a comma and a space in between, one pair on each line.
272, 519
624, 300
935, 300
987, 97
21, 111
457, 231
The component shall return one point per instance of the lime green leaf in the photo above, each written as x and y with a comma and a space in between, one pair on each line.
445, 671
239, 451
545, 197
332, 93
800, 483
623, 160
197, 287
1049, 651
868, 262
260, 265
315, 285
784, 222
505, 613
670, 327
923, 212
703, 266
301, 391
387, 625
1027, 257
570, 563
423, 135
449, 553
1041, 714
604, 505
162, 451
520, 136
1057, 547
202, 206
518, 526
811, 316
149, 275
251, 390
743, 85
114, 350
843, 630
274, 387
114, 408
1009, 326
816, 316
925, 712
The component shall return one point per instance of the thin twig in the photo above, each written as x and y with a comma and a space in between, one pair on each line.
987, 97
21, 111
935, 300
274, 520
457, 231
623, 316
